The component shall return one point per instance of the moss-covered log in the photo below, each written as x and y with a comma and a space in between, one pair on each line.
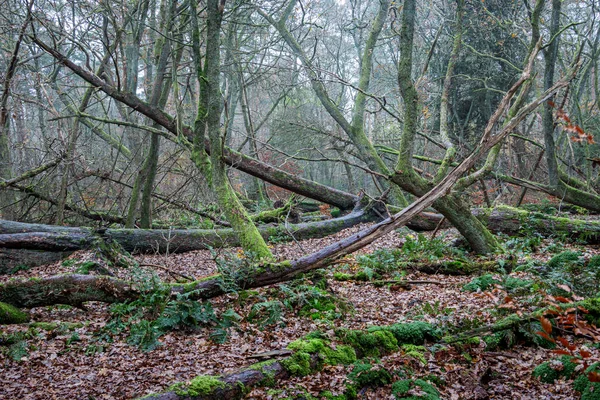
515, 221
11, 315
513, 321
66, 289
57, 238
310, 354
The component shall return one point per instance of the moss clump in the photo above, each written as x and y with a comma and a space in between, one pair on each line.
401, 389
481, 283
312, 344
365, 374
298, 364
47, 326
307, 345
372, 343
409, 333
343, 355
501, 340
550, 371
201, 385
509, 322
416, 352
12, 315
340, 276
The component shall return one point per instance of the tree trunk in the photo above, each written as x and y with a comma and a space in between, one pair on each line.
36, 244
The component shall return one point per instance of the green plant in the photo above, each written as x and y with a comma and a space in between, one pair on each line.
434, 309
481, 283
365, 373
414, 389
144, 334
16, 343
20, 267
550, 371
302, 295
154, 313
69, 262
18, 350
571, 269
416, 352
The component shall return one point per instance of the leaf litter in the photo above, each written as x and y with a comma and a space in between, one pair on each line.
71, 363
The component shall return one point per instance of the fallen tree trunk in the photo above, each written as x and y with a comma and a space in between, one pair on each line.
35, 244
66, 289
502, 219
515, 221
30, 245
58, 238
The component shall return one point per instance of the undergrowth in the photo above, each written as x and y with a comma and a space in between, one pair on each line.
156, 312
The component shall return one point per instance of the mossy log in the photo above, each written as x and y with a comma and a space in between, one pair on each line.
58, 238
513, 321
514, 221
11, 315
309, 356
66, 289
16, 235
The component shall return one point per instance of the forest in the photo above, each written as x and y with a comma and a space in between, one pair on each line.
299, 199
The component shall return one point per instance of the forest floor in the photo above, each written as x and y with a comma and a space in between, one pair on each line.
74, 357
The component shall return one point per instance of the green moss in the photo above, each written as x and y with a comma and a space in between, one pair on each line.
340, 276
507, 323
261, 365
269, 379
191, 286
365, 374
494, 341
327, 395
298, 364
343, 355
410, 333
201, 385
47, 326
307, 345
550, 371
415, 351
405, 389
12, 315
372, 343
